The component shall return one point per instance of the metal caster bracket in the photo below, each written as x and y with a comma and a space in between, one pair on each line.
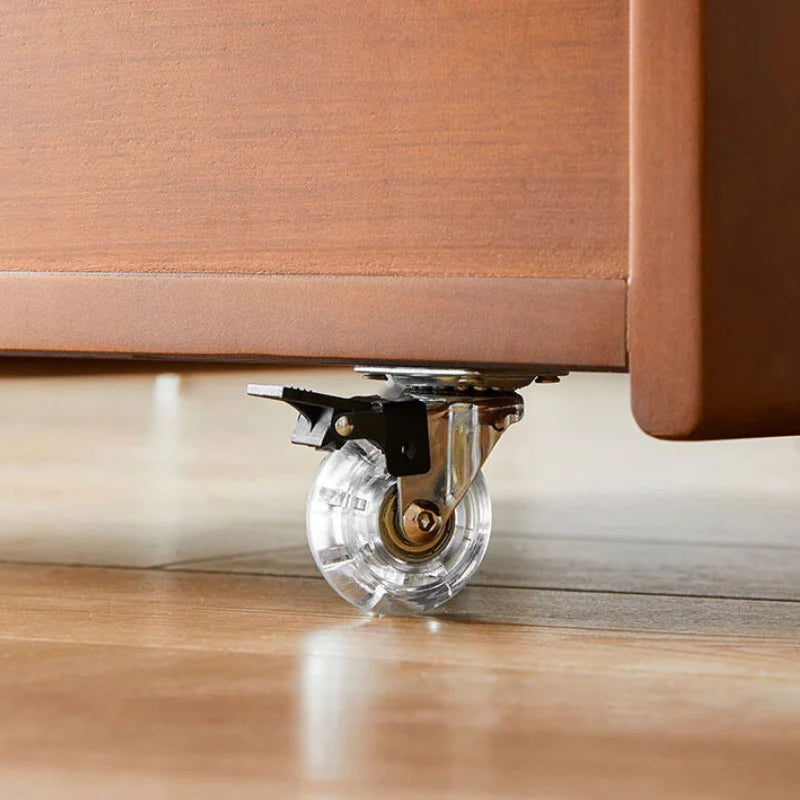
435, 435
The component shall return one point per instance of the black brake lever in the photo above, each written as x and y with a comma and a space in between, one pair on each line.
326, 422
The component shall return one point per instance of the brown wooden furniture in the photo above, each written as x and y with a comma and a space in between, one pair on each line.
715, 217
436, 183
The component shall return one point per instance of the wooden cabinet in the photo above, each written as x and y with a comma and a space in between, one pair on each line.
414, 181
442, 182
715, 223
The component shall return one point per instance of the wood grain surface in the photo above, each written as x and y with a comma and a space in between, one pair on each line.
129, 683
594, 524
715, 242
462, 137
634, 631
530, 321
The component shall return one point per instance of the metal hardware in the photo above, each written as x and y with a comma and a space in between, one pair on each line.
343, 426
418, 536
461, 434
440, 379
436, 433
468, 411
421, 520
398, 427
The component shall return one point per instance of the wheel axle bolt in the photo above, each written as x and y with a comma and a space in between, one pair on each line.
421, 520
426, 521
344, 426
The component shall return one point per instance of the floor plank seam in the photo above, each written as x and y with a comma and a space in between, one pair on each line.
502, 587
570, 539
627, 593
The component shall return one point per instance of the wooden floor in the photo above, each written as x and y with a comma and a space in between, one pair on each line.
634, 632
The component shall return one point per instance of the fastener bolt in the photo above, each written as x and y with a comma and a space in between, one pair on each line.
421, 520
426, 521
506, 421
344, 426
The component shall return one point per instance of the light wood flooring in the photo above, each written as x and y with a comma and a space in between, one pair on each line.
634, 632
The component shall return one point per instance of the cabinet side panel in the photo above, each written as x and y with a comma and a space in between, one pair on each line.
666, 209
751, 276
715, 272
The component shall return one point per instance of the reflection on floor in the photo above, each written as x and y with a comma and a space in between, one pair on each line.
635, 628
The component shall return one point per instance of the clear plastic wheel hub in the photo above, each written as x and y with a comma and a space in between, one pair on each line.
399, 515
357, 543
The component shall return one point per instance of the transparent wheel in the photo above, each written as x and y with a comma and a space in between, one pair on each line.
353, 537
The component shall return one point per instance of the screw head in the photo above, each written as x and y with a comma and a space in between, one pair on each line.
344, 426
421, 521
426, 521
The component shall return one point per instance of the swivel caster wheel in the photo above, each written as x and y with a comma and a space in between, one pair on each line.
373, 561
399, 515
